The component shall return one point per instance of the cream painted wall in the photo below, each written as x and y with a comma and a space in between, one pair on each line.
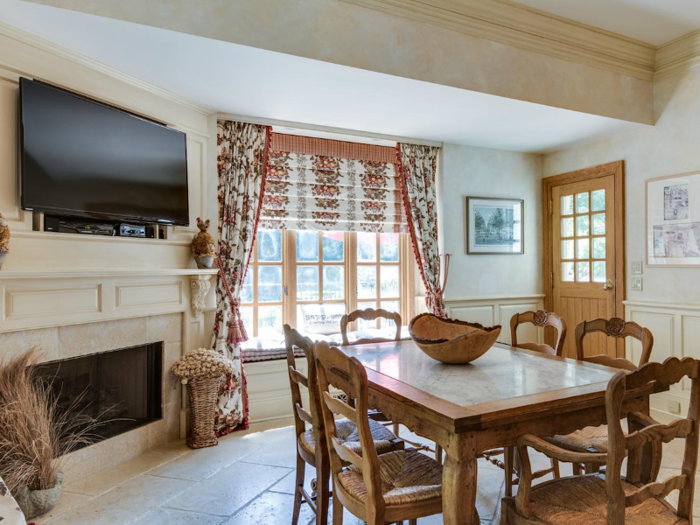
22, 55
671, 147
480, 172
358, 37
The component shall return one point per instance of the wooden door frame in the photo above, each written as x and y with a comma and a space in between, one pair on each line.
617, 170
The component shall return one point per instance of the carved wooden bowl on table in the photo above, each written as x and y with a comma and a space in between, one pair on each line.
451, 341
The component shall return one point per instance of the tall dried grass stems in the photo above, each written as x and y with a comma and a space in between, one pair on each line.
35, 435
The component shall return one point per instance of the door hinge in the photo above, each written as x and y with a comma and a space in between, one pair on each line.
286, 290
551, 206
551, 280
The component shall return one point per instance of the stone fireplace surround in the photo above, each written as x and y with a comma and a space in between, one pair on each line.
122, 309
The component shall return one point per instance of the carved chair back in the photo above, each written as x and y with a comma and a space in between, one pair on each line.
336, 369
664, 375
541, 319
618, 329
369, 314
297, 379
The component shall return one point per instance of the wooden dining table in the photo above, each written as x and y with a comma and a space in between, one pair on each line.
486, 404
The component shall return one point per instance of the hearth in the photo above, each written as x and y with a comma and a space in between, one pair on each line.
121, 388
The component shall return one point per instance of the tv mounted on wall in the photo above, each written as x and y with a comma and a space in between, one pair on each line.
84, 159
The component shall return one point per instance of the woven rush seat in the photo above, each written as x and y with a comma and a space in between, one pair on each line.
384, 439
582, 500
589, 439
407, 477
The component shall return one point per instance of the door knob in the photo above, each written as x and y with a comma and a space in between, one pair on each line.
609, 285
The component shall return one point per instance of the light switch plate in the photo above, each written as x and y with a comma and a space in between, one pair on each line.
636, 267
636, 284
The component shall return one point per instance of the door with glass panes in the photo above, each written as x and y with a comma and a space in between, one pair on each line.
584, 267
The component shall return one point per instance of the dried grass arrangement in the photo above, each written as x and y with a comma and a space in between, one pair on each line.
35, 434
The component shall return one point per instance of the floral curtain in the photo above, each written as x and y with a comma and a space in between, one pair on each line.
242, 157
417, 166
331, 185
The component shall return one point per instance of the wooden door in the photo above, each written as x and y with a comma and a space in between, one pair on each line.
584, 242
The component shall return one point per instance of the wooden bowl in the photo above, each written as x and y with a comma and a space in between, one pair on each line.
452, 341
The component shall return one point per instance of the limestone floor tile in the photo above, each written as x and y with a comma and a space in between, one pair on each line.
66, 503
145, 492
164, 516
108, 479
229, 490
279, 448
272, 508
198, 465
287, 484
94, 512
175, 448
489, 491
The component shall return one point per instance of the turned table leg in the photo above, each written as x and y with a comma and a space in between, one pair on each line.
459, 481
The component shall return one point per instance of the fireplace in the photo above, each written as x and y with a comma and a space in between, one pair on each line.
122, 388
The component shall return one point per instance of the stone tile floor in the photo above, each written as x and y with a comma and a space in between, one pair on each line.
247, 480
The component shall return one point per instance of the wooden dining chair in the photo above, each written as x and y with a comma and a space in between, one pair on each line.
397, 486
595, 438
369, 314
541, 319
608, 498
311, 446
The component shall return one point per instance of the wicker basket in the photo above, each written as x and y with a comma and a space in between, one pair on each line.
203, 394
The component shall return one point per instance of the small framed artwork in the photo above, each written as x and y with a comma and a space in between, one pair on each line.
673, 220
494, 226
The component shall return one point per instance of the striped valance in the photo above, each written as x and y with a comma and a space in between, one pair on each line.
329, 186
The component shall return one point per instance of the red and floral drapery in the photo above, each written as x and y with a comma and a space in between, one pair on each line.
331, 185
417, 167
242, 157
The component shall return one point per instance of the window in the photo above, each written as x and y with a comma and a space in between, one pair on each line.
290, 269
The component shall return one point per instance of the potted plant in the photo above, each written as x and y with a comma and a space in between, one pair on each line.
4, 238
203, 245
35, 435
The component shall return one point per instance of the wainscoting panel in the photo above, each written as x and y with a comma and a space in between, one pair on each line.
147, 294
491, 311
676, 330
32, 301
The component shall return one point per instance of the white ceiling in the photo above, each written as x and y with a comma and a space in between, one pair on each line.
653, 21
247, 81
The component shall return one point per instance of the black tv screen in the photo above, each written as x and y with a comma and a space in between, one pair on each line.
84, 159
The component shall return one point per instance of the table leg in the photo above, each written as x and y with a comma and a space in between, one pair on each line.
459, 481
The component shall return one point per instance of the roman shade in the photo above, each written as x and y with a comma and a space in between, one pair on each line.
330, 185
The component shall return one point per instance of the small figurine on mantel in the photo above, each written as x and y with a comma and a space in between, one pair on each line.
4, 238
203, 245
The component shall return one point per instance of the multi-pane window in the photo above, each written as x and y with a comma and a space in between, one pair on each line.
583, 247
378, 275
291, 269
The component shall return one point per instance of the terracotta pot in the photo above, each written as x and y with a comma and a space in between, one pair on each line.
452, 341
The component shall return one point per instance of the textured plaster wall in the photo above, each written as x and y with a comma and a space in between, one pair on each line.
671, 147
350, 35
481, 172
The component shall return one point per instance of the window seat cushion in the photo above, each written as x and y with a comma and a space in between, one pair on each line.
270, 348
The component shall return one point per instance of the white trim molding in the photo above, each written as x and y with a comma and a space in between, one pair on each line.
676, 329
678, 56
497, 310
529, 29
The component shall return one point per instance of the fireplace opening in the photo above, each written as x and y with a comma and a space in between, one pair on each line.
121, 389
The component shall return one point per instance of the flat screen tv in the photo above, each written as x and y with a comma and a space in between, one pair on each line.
84, 159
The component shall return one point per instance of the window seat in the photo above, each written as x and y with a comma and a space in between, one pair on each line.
269, 348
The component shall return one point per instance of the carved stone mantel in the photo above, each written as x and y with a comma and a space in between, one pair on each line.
199, 288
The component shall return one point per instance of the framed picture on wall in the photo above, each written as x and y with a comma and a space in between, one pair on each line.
673, 220
494, 226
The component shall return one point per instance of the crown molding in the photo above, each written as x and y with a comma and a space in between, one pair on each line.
678, 55
47, 46
528, 29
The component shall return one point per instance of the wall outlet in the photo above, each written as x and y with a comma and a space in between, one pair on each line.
636, 267
674, 407
636, 284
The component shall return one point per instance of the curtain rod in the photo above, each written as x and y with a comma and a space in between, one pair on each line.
327, 129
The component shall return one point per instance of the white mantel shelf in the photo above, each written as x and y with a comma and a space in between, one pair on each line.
93, 273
